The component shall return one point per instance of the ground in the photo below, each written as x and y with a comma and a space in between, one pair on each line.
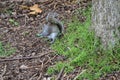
19, 29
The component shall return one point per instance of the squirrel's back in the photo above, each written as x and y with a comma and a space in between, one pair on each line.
51, 18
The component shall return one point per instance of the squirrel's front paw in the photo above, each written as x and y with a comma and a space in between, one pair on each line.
39, 35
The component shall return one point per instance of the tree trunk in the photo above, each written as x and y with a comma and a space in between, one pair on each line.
106, 21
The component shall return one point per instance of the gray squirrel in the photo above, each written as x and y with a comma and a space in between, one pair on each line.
53, 28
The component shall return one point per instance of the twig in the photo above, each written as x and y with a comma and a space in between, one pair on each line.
60, 74
13, 16
40, 76
4, 71
25, 20
79, 74
33, 76
42, 65
23, 58
50, 60
42, 68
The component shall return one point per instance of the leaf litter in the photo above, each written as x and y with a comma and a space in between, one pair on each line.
28, 46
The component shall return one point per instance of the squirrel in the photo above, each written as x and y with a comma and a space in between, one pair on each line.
53, 28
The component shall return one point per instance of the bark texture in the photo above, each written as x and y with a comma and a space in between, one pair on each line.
106, 21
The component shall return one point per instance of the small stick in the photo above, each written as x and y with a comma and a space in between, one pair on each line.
23, 58
13, 16
39, 77
50, 60
33, 76
60, 74
25, 20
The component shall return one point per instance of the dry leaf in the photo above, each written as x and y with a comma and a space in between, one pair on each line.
35, 9
32, 13
23, 67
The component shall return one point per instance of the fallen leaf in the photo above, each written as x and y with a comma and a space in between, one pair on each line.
32, 13
35, 9
23, 67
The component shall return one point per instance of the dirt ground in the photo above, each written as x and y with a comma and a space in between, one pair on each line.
34, 55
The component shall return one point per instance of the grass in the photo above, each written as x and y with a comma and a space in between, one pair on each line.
81, 48
6, 50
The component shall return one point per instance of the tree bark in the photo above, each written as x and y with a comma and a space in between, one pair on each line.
106, 21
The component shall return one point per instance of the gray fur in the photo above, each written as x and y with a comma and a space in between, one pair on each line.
52, 28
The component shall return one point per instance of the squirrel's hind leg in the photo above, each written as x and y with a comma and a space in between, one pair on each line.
52, 37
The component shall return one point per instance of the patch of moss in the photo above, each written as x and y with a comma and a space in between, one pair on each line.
6, 50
